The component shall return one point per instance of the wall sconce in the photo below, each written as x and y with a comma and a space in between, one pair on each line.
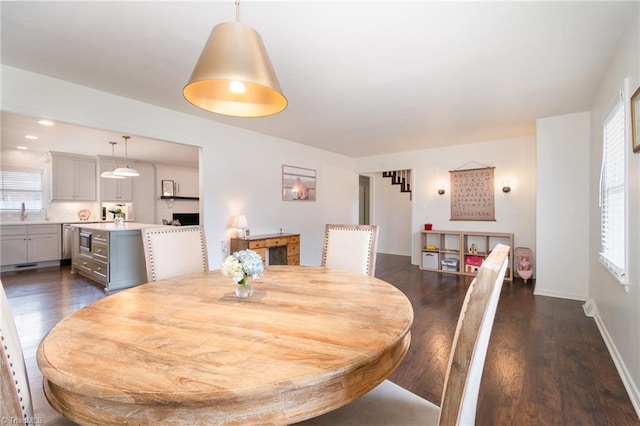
506, 187
441, 190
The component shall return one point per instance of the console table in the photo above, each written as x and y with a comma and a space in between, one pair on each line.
275, 249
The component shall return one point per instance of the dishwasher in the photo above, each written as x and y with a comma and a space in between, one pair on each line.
67, 243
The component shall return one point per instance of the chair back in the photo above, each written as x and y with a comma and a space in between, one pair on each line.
170, 251
471, 341
350, 247
15, 403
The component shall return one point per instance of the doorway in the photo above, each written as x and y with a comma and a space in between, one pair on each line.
364, 200
383, 203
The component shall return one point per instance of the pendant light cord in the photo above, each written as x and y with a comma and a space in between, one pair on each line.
126, 155
237, 11
113, 154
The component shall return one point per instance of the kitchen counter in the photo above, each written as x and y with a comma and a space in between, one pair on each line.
30, 222
111, 227
46, 222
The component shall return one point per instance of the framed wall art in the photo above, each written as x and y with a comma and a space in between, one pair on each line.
168, 188
472, 194
635, 120
298, 184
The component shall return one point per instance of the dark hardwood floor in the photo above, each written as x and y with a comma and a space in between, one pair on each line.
546, 365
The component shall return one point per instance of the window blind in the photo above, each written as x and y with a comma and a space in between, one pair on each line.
20, 186
613, 192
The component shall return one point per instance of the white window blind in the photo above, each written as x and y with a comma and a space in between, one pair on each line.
613, 192
19, 186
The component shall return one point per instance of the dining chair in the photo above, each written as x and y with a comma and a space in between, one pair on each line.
390, 404
170, 251
16, 404
350, 247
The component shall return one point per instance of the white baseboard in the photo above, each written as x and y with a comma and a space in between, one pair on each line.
394, 252
627, 380
560, 295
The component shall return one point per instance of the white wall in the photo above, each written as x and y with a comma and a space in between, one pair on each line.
144, 207
563, 206
240, 170
186, 182
514, 160
617, 307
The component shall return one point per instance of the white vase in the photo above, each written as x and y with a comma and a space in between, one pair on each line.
244, 290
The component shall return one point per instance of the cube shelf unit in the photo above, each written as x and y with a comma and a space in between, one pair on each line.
453, 251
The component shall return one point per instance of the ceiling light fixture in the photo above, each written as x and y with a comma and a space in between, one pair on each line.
31, 137
234, 75
109, 174
45, 122
126, 170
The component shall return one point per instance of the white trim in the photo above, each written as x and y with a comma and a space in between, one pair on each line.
561, 295
625, 376
394, 252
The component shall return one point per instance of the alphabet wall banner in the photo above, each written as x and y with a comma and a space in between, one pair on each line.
472, 194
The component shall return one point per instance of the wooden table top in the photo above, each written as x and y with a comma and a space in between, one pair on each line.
188, 351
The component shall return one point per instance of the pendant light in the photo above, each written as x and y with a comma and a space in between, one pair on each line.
126, 171
234, 75
109, 174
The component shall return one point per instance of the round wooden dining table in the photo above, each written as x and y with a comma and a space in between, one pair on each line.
188, 351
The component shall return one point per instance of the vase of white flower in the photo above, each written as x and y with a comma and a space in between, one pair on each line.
241, 266
244, 290
118, 215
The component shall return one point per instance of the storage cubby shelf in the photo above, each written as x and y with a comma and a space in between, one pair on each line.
462, 253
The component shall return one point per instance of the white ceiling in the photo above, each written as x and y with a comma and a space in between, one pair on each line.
362, 78
64, 137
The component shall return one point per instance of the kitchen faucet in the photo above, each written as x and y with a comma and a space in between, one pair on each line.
23, 214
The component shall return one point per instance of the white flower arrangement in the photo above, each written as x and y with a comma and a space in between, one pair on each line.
116, 210
241, 265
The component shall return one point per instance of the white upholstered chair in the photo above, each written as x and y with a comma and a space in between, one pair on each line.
16, 406
350, 247
170, 251
391, 405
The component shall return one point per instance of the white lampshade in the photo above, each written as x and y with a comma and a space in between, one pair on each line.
126, 172
110, 175
240, 222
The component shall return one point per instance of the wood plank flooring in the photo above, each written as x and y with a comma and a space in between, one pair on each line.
546, 365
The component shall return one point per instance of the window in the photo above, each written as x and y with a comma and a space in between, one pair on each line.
19, 186
613, 192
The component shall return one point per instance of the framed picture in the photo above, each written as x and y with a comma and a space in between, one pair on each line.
298, 184
635, 120
168, 188
246, 233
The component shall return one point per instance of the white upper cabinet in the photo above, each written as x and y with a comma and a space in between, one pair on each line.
73, 177
114, 189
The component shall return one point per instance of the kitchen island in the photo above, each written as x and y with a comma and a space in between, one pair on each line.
110, 254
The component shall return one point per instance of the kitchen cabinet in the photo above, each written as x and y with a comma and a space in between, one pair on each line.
29, 245
120, 190
115, 258
73, 177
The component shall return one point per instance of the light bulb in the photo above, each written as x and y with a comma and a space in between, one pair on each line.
236, 86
